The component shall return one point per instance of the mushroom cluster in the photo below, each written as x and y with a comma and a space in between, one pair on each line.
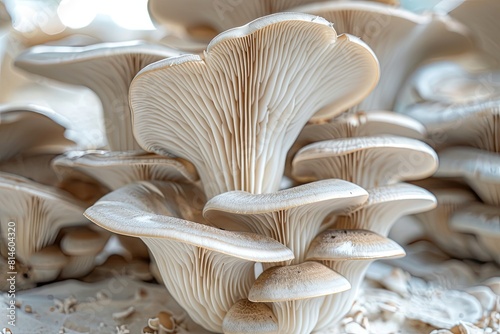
263, 171
457, 100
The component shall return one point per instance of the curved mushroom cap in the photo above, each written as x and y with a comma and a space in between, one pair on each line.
30, 130
140, 204
481, 18
478, 167
296, 282
107, 69
400, 39
368, 161
359, 124
293, 216
116, 169
39, 212
385, 205
49, 257
34, 167
346, 245
471, 124
250, 318
225, 110
450, 83
82, 241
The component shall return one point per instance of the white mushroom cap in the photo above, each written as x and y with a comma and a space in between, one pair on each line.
368, 161
107, 69
250, 318
302, 281
479, 169
237, 132
436, 222
358, 124
385, 205
293, 216
347, 245
400, 39
470, 124
83, 241
116, 169
205, 269
38, 211
348, 252
47, 263
483, 221
31, 130
297, 294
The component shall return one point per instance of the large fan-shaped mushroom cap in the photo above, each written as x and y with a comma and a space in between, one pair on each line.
236, 110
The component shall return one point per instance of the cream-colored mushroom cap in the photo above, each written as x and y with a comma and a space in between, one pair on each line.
83, 241
116, 169
250, 318
296, 282
385, 205
400, 39
479, 168
39, 212
344, 245
228, 111
123, 214
368, 161
48, 257
30, 129
107, 69
477, 217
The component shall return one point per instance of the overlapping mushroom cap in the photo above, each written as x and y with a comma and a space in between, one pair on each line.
293, 216
400, 39
205, 268
236, 110
37, 211
368, 161
107, 69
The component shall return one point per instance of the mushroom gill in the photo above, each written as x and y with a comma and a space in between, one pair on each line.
235, 110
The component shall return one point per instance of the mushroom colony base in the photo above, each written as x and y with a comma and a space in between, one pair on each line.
461, 296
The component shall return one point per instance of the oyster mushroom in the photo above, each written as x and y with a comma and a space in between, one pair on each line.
81, 245
38, 211
400, 39
46, 131
250, 318
483, 221
359, 124
479, 169
205, 269
293, 216
225, 112
368, 161
296, 293
47, 263
348, 252
107, 69
203, 19
116, 169
385, 205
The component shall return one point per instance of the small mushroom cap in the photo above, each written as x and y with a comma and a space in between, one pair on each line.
378, 160
127, 211
83, 241
296, 282
31, 129
329, 191
166, 320
477, 218
249, 318
342, 245
48, 258
115, 169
